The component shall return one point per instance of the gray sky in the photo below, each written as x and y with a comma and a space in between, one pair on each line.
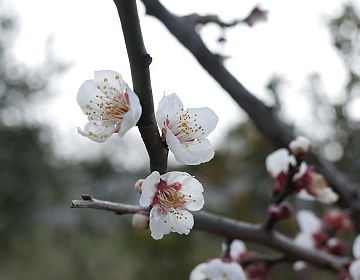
294, 42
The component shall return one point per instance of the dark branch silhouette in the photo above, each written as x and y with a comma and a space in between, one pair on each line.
262, 116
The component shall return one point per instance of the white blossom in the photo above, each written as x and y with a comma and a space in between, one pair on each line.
300, 145
172, 196
278, 162
185, 130
109, 104
354, 268
217, 269
309, 224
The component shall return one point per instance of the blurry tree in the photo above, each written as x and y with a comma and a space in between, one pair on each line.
41, 239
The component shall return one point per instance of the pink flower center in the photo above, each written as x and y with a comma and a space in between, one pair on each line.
169, 198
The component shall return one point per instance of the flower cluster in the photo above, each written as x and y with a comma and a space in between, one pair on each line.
227, 267
112, 107
322, 234
289, 171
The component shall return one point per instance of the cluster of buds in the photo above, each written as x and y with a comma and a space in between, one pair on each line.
322, 234
287, 168
278, 212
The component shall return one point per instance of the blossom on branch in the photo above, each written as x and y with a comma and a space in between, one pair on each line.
218, 269
109, 104
313, 186
172, 196
185, 130
300, 146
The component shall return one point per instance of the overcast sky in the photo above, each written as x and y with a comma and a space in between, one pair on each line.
294, 43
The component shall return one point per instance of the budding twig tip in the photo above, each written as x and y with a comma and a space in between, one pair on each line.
86, 197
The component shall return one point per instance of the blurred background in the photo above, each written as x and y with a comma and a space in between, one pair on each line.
303, 62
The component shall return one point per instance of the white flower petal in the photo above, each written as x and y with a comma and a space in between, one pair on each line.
354, 270
148, 188
181, 222
302, 170
217, 269
110, 78
96, 132
356, 247
327, 195
133, 115
198, 272
190, 153
237, 247
305, 239
87, 92
300, 145
206, 119
308, 222
278, 161
169, 106
159, 224
303, 194
176, 177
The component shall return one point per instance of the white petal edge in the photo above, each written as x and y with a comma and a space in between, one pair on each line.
354, 270
217, 268
206, 118
278, 161
159, 224
192, 154
169, 106
97, 133
237, 248
198, 272
133, 115
356, 247
113, 79
308, 221
148, 188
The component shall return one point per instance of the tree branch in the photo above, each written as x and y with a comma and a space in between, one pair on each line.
232, 229
139, 63
262, 116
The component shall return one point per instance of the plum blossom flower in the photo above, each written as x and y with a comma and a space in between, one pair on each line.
299, 146
218, 269
310, 229
110, 105
310, 236
185, 130
278, 162
354, 268
172, 196
313, 186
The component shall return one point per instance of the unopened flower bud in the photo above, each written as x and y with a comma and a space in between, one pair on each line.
279, 212
285, 210
138, 185
273, 212
140, 221
300, 146
336, 246
337, 220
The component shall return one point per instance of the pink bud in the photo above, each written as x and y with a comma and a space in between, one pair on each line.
336, 246
274, 212
285, 210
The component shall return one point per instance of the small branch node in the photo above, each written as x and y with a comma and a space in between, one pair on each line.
87, 197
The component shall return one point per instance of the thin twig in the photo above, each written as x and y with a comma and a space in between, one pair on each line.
232, 229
